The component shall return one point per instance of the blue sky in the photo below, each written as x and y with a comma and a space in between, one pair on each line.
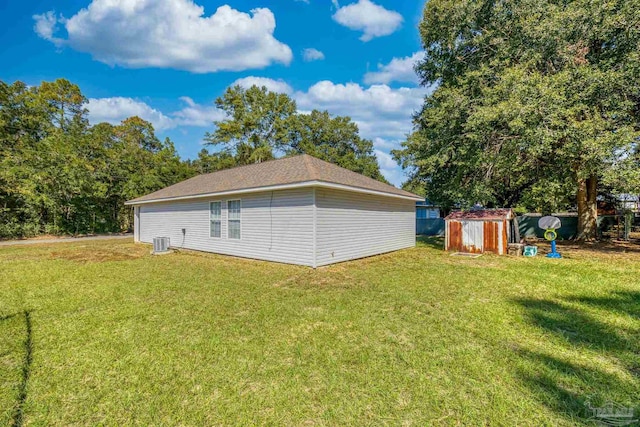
168, 60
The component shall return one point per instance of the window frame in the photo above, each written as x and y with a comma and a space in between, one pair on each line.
239, 219
211, 219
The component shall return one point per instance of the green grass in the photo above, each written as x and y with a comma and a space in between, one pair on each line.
417, 337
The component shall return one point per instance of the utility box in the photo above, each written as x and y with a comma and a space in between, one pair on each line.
160, 245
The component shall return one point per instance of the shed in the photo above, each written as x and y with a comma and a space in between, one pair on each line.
480, 231
296, 210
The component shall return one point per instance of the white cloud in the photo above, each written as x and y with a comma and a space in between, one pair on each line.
383, 114
46, 25
197, 115
379, 110
372, 19
398, 70
395, 176
312, 54
170, 34
114, 110
279, 86
386, 144
389, 168
385, 160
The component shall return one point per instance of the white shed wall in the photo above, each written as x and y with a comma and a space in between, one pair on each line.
276, 226
354, 225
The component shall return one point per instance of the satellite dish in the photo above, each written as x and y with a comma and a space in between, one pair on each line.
549, 223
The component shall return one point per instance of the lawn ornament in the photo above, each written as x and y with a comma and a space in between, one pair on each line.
550, 224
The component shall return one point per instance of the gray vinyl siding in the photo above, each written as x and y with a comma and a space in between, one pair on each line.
353, 225
275, 226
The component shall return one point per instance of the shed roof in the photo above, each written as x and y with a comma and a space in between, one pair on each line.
273, 174
481, 214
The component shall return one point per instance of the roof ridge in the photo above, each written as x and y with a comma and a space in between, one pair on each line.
251, 164
308, 162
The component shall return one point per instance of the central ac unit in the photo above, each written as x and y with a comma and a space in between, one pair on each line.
160, 245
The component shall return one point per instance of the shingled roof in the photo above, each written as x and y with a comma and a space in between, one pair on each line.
274, 173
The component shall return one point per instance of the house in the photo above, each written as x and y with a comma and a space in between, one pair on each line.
481, 230
629, 202
427, 210
428, 220
296, 210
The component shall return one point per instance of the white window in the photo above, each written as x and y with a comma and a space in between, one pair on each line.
215, 216
234, 212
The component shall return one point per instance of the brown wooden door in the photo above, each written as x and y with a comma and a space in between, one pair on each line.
491, 237
454, 240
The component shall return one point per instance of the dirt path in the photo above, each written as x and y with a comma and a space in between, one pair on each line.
64, 239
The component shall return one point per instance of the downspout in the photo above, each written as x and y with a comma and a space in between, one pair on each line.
315, 230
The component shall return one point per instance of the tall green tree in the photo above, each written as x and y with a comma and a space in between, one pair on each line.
22, 126
42, 174
64, 103
135, 162
536, 102
63, 168
256, 124
335, 140
211, 162
261, 125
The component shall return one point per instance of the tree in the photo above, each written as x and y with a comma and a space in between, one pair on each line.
64, 103
42, 131
257, 123
58, 174
21, 127
211, 162
136, 163
335, 140
261, 124
536, 103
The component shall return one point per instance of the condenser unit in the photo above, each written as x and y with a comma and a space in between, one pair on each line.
160, 245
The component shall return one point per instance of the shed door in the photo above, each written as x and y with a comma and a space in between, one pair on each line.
472, 236
453, 235
492, 237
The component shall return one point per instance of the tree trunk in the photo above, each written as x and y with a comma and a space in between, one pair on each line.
587, 209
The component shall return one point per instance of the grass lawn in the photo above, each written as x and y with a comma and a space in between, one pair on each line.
104, 333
